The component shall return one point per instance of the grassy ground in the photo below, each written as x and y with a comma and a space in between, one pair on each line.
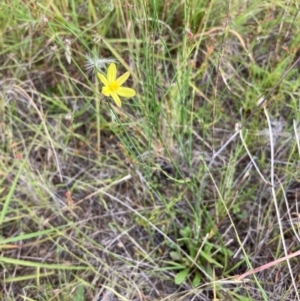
177, 194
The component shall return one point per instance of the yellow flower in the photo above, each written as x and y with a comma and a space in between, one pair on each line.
113, 85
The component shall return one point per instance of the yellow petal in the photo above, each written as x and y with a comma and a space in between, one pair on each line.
106, 91
103, 79
126, 92
111, 73
116, 98
122, 79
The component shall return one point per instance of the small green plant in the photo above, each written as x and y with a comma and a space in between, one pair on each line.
203, 253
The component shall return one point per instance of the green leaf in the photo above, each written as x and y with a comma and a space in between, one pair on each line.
192, 246
210, 259
80, 293
181, 276
33, 264
196, 279
185, 232
175, 256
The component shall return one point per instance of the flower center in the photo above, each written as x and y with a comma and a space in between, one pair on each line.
114, 86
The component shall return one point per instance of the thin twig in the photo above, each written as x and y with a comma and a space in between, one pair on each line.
275, 201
